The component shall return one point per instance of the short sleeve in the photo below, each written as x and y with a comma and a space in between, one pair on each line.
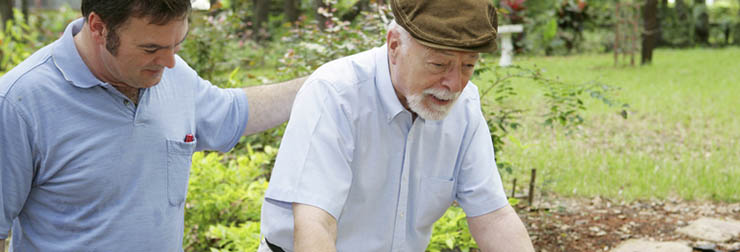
16, 164
313, 163
220, 116
479, 187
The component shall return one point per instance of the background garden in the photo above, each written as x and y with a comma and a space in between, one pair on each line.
629, 101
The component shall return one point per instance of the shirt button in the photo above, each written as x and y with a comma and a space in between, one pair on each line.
125, 102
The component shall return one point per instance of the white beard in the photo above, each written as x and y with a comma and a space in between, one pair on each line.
433, 111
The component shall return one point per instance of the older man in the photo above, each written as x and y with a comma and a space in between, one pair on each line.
381, 143
97, 130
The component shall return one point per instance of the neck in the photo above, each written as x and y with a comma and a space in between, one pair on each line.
86, 47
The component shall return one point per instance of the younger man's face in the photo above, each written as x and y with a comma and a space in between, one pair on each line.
143, 52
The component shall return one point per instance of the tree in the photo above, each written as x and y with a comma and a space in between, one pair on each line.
736, 32
6, 10
355, 10
24, 8
261, 15
321, 7
663, 14
291, 11
683, 23
701, 28
650, 33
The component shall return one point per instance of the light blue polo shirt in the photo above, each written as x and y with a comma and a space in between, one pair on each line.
83, 169
351, 149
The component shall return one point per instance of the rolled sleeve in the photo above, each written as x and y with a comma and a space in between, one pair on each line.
16, 164
479, 187
313, 163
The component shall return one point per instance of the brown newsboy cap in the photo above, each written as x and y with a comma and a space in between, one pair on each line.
463, 25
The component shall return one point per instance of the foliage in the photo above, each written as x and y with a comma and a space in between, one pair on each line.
22, 37
315, 47
451, 232
214, 50
17, 42
680, 139
563, 101
224, 200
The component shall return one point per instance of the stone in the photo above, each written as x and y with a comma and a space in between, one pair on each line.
640, 245
507, 48
710, 229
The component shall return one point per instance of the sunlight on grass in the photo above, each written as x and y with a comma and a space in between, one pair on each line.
680, 139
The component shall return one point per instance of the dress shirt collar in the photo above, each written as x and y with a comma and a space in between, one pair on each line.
388, 97
67, 59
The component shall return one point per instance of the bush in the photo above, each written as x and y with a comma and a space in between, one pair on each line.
224, 200
20, 37
315, 47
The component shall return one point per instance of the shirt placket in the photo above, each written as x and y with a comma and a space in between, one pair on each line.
399, 238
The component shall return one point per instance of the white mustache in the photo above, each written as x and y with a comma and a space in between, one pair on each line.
441, 94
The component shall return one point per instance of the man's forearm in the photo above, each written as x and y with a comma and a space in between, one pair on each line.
2, 245
270, 105
500, 230
314, 229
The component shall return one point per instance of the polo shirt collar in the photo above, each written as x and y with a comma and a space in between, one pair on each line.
68, 60
384, 86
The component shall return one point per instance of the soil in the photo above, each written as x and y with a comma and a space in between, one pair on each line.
596, 224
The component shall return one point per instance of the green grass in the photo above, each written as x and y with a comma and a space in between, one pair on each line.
681, 138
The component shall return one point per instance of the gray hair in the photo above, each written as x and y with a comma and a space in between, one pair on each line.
405, 35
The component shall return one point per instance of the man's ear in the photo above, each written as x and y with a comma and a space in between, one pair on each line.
98, 29
394, 46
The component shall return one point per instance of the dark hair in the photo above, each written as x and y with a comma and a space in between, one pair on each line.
115, 13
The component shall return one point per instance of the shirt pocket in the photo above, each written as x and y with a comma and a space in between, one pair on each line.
436, 195
179, 159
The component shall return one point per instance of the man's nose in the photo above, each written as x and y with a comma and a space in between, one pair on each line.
167, 58
452, 79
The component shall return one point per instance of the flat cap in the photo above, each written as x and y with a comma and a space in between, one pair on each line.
463, 25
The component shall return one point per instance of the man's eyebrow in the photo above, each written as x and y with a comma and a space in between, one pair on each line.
157, 46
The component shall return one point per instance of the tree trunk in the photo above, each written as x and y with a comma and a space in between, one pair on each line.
736, 31
701, 29
355, 10
684, 23
320, 18
25, 7
261, 14
663, 14
291, 10
6, 10
650, 34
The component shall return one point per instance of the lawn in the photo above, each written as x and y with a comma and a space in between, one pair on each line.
680, 138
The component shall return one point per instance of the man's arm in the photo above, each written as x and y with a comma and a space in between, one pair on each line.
270, 105
314, 229
2, 245
500, 230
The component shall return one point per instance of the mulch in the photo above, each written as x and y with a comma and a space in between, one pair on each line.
597, 224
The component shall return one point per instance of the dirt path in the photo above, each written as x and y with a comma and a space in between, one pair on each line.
566, 224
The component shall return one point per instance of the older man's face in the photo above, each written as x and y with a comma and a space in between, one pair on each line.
430, 80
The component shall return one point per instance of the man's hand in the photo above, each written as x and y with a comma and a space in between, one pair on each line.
314, 230
500, 230
270, 105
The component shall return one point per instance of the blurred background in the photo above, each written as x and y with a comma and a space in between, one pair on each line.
627, 105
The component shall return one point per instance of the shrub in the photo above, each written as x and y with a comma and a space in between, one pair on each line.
224, 200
